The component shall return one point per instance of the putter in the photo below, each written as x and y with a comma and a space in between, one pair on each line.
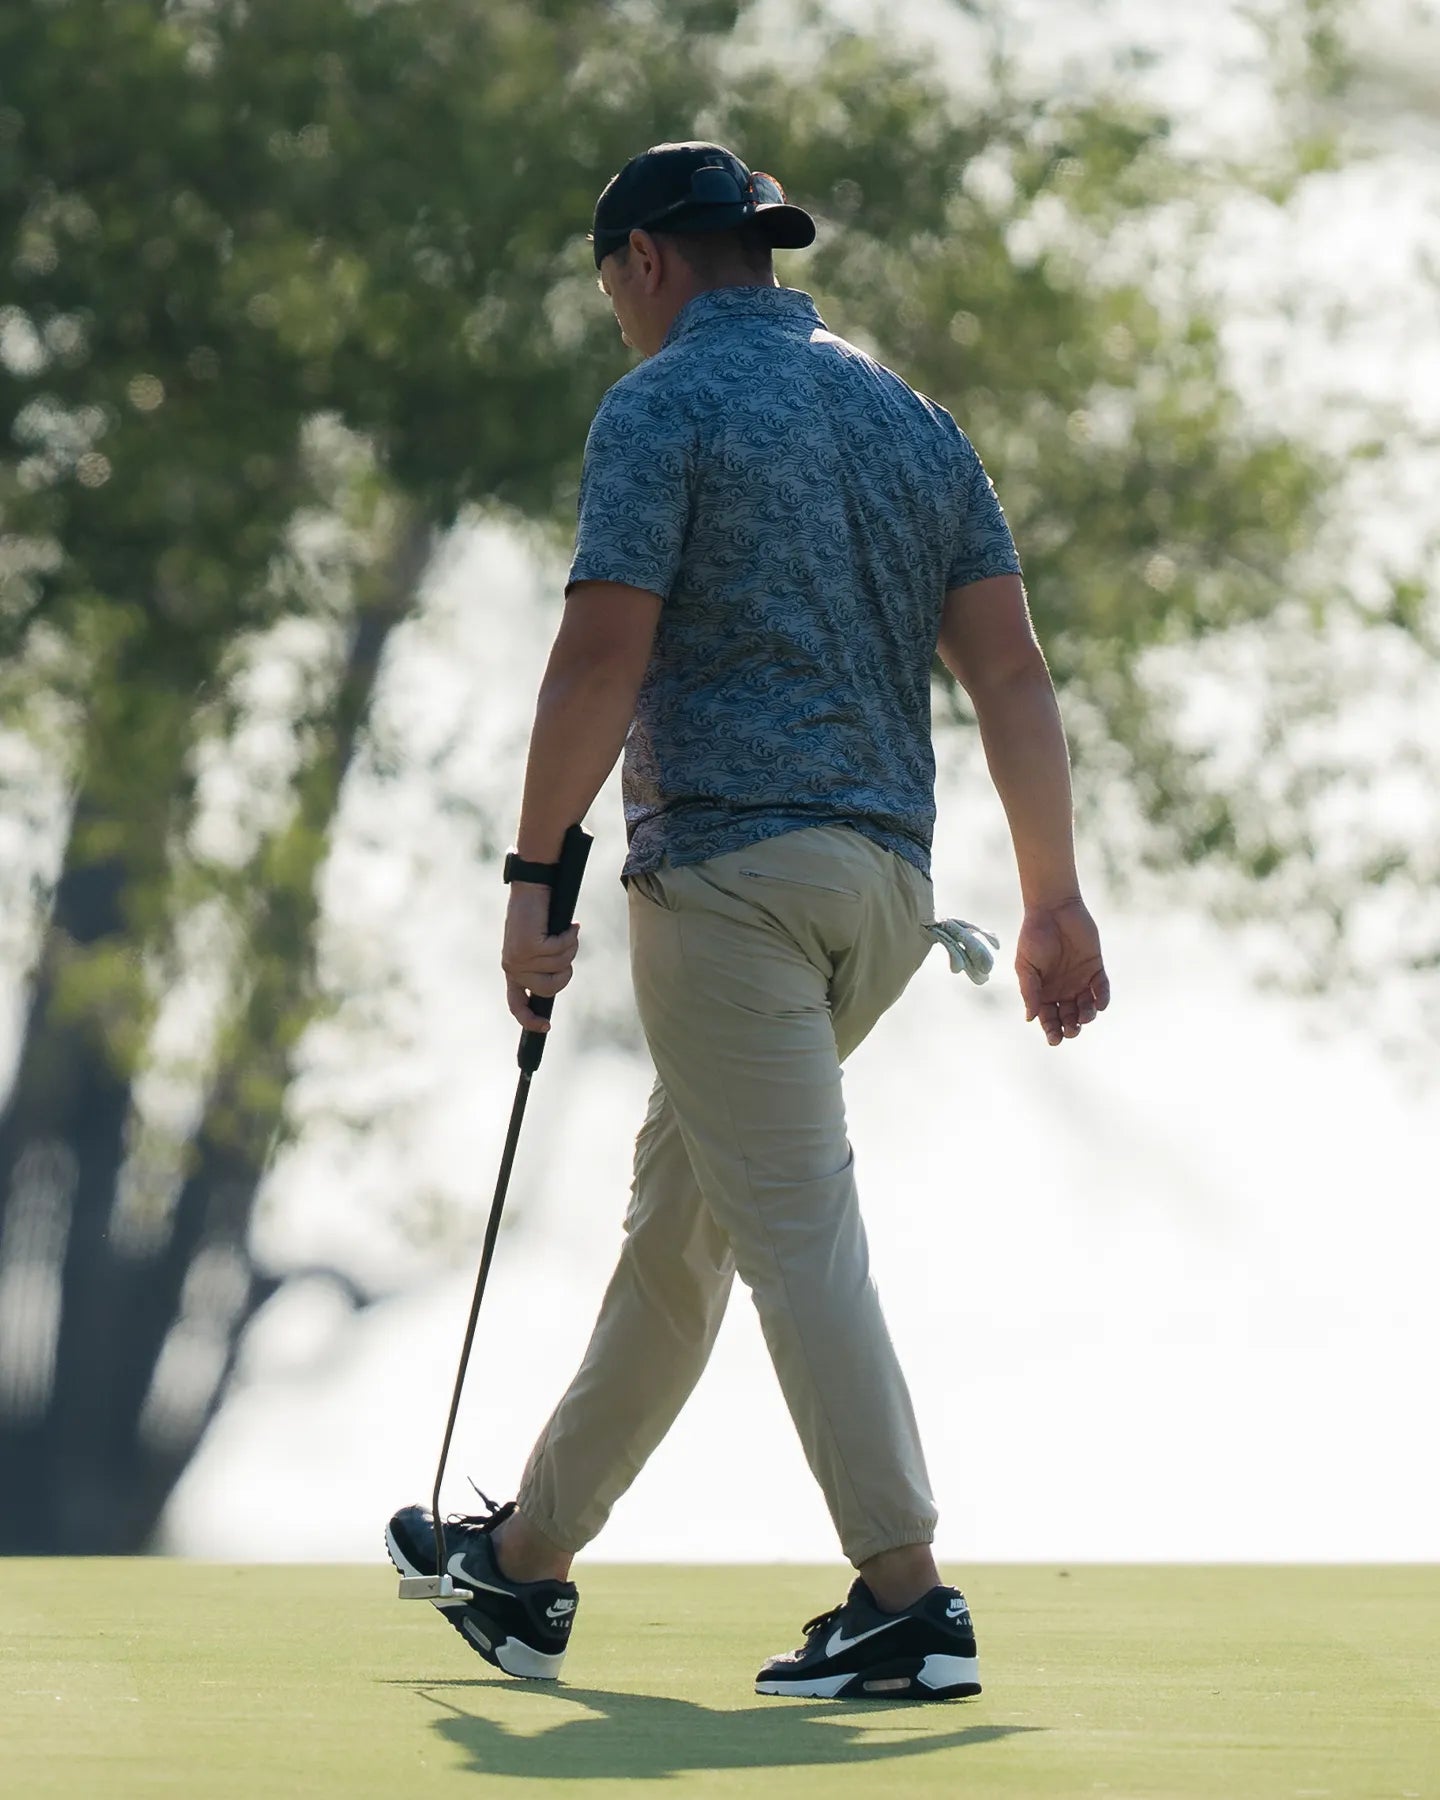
440, 1587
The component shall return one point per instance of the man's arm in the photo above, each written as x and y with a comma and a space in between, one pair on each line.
587, 701
988, 644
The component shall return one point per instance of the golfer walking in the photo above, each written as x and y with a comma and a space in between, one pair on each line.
776, 535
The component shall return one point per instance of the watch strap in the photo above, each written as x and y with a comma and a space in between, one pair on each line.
517, 869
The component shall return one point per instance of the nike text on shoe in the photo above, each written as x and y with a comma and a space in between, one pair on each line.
857, 1652
523, 1627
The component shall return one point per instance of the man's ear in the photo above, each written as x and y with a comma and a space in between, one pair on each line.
651, 267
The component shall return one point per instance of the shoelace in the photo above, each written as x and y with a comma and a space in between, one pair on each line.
822, 1621
495, 1514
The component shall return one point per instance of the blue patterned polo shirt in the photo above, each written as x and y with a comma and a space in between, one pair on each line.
801, 512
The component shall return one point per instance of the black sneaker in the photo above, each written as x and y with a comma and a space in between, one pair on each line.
523, 1627
857, 1652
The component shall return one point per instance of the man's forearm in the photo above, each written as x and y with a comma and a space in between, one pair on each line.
581, 718
1029, 763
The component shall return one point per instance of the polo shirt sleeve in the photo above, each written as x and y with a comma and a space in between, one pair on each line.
635, 494
983, 544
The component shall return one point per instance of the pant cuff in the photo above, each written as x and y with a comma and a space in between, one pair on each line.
572, 1543
918, 1531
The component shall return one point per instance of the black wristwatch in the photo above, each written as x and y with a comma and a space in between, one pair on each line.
517, 869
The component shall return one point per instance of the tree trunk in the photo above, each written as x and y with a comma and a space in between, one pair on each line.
114, 1359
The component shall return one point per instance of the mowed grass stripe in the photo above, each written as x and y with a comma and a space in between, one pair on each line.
131, 1679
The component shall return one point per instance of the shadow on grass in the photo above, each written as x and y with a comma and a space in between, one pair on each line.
637, 1737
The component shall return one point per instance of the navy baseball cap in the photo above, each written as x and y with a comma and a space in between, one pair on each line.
693, 188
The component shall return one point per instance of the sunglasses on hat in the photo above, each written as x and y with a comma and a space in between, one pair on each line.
715, 185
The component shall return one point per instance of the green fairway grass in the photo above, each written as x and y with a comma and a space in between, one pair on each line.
121, 1679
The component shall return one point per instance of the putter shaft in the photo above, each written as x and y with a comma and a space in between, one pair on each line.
574, 852
487, 1255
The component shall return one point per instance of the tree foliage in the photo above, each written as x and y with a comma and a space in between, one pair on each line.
288, 289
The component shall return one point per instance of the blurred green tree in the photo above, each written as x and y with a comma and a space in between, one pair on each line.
292, 286
222, 222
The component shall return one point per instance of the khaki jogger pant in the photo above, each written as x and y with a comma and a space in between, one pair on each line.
756, 974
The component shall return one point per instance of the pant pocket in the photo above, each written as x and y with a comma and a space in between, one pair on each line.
647, 884
819, 887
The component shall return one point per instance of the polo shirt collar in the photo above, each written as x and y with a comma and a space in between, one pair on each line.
720, 305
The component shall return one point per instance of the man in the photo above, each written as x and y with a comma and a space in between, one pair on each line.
775, 536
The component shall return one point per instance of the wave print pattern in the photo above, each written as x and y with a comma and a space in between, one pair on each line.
801, 511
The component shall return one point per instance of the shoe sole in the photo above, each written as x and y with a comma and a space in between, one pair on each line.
510, 1656
908, 1678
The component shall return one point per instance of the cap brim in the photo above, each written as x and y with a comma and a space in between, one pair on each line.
787, 227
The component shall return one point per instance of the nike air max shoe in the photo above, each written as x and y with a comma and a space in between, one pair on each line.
523, 1627
857, 1652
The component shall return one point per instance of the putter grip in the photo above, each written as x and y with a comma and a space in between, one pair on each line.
566, 891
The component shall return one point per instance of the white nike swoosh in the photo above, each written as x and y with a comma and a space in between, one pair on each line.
840, 1643
456, 1566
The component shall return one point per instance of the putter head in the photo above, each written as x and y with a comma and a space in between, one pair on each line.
439, 1588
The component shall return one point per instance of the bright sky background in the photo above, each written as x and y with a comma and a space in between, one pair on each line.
1163, 1293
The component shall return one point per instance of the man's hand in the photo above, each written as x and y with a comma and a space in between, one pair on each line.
533, 961
1062, 976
